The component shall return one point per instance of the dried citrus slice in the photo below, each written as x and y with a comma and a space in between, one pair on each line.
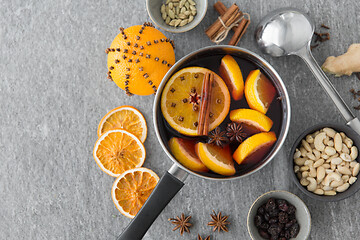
117, 151
131, 190
181, 97
259, 91
231, 73
124, 117
252, 118
184, 151
215, 158
254, 148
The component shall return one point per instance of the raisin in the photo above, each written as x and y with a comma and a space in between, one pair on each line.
290, 223
283, 217
274, 230
261, 210
292, 216
264, 225
258, 220
294, 230
282, 205
270, 205
274, 237
291, 209
287, 234
273, 220
274, 212
267, 216
264, 234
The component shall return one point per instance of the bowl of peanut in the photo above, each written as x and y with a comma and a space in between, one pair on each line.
325, 163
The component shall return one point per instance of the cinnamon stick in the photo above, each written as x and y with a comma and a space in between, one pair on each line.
221, 9
205, 104
217, 25
207, 112
239, 32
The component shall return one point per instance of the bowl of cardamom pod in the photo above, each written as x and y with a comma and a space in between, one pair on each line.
176, 15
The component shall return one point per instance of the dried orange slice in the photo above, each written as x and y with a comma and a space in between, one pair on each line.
231, 73
181, 97
259, 91
184, 151
131, 190
252, 118
117, 151
124, 117
254, 148
215, 158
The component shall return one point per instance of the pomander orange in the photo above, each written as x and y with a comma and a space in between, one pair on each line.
138, 59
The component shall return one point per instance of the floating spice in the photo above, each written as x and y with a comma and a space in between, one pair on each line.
235, 132
218, 138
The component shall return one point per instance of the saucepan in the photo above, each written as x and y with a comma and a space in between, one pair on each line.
173, 180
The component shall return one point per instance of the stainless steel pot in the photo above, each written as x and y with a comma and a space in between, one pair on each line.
172, 181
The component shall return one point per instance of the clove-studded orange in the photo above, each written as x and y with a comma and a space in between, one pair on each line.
138, 59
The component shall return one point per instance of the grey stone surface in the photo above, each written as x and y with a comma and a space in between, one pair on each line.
54, 91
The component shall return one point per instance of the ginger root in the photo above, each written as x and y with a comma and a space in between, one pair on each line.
345, 64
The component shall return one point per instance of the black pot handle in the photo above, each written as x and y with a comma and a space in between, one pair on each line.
166, 189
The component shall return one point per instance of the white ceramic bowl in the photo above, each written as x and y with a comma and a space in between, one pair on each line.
302, 213
153, 9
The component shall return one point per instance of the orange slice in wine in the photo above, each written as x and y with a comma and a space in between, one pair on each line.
254, 148
184, 151
231, 73
181, 98
215, 158
259, 91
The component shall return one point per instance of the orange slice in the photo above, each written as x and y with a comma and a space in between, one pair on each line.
254, 148
117, 151
184, 151
215, 158
181, 97
231, 73
124, 117
131, 190
251, 118
259, 91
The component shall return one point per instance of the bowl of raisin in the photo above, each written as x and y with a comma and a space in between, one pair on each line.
278, 215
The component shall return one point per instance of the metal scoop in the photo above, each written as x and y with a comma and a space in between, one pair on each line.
288, 31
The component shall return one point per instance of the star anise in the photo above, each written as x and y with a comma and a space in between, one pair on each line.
194, 98
219, 222
199, 237
235, 132
181, 223
218, 138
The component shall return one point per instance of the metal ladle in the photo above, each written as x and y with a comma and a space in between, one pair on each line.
288, 31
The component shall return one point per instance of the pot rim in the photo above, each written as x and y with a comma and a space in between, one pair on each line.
286, 112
